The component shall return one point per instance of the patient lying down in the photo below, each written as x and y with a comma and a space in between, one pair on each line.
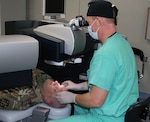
48, 90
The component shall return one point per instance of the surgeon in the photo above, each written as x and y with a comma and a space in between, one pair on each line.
112, 75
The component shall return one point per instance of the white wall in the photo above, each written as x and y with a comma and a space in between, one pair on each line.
11, 10
73, 8
131, 22
34, 9
0, 17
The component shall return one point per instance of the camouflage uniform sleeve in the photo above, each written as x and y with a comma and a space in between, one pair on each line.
17, 98
22, 98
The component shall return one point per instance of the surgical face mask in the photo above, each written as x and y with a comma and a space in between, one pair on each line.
94, 35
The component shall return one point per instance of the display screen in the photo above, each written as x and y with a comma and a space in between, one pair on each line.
54, 7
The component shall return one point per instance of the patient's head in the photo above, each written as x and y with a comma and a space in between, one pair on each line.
49, 89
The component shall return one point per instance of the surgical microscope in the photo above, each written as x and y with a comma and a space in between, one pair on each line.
66, 48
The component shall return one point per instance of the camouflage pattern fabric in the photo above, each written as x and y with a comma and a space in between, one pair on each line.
21, 98
17, 99
38, 77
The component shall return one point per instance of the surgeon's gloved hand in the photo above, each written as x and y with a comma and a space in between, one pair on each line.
66, 97
75, 86
69, 85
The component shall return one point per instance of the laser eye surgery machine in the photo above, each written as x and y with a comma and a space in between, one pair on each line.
68, 39
62, 50
65, 47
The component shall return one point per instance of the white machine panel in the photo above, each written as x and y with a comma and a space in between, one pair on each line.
74, 40
18, 52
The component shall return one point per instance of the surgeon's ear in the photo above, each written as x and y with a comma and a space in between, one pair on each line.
100, 20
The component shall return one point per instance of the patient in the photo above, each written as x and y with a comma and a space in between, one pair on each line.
48, 90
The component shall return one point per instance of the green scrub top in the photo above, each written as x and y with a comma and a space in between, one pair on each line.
113, 68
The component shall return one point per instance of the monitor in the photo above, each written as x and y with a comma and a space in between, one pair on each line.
53, 8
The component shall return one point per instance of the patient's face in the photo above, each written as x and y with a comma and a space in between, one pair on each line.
49, 90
